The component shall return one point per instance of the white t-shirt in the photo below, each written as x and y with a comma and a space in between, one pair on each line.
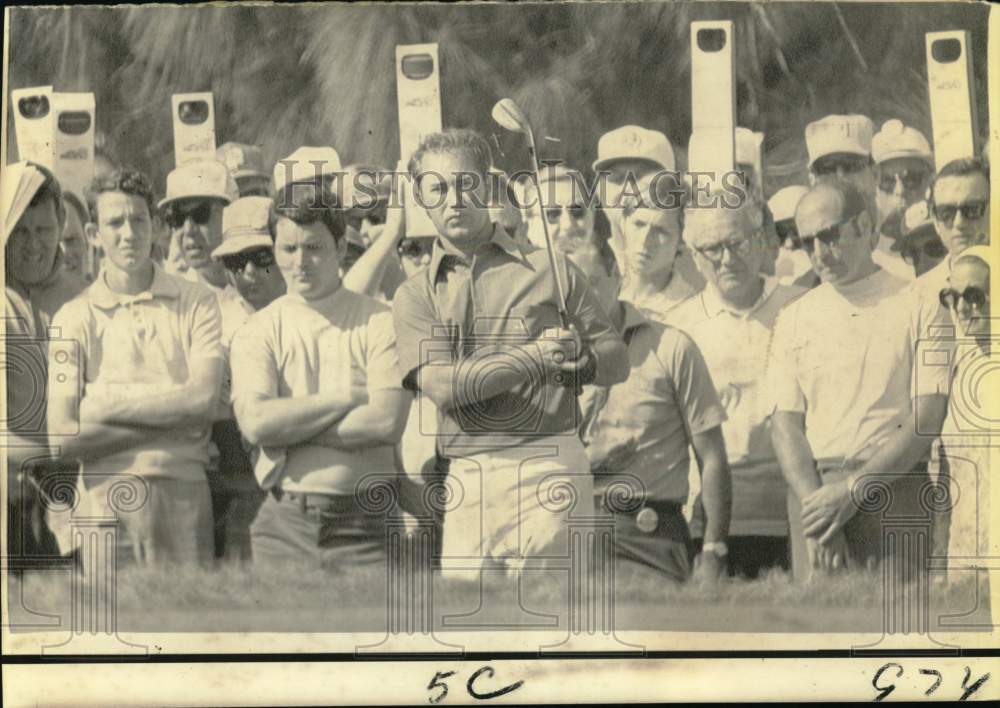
847, 358
297, 348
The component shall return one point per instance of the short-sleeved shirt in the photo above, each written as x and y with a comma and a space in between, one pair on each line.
138, 345
667, 399
847, 359
296, 347
504, 295
735, 344
661, 305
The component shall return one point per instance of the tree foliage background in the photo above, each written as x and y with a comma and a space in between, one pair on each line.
291, 75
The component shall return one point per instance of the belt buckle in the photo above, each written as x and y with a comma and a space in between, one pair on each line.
647, 519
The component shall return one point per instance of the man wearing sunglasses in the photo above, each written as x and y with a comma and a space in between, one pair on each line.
792, 265
920, 246
960, 206
965, 458
247, 254
846, 396
840, 148
197, 192
740, 303
903, 170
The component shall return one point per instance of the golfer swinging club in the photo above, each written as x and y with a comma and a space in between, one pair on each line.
480, 332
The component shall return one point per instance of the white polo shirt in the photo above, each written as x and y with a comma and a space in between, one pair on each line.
294, 347
846, 358
142, 344
660, 305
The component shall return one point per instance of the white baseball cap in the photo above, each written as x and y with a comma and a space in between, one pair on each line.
200, 179
631, 142
244, 226
301, 166
851, 134
898, 140
784, 201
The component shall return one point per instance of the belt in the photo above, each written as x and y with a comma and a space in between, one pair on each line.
646, 512
323, 503
854, 466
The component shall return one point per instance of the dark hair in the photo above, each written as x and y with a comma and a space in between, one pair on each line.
962, 167
456, 141
49, 190
124, 180
307, 203
77, 204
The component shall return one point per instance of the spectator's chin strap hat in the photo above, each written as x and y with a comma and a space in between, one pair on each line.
631, 142
838, 135
200, 179
916, 221
896, 140
784, 201
20, 182
304, 165
244, 226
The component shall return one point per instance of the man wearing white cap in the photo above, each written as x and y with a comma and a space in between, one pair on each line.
147, 351
196, 194
247, 254
625, 156
33, 216
246, 164
920, 246
840, 147
846, 392
792, 265
903, 169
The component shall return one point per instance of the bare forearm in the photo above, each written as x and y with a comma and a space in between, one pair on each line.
282, 422
175, 407
717, 499
96, 440
612, 362
453, 385
365, 426
366, 275
794, 453
24, 448
905, 447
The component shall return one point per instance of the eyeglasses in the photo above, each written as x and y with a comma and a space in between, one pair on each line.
736, 247
576, 212
932, 248
840, 163
415, 247
974, 297
829, 236
200, 213
970, 211
237, 262
910, 180
787, 230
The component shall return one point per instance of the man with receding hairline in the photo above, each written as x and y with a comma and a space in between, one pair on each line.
846, 394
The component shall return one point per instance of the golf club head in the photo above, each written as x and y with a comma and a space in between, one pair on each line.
510, 116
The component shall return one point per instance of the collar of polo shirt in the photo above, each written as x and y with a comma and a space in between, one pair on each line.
715, 305
162, 286
499, 238
633, 318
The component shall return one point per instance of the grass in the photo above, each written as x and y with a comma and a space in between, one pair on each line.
303, 598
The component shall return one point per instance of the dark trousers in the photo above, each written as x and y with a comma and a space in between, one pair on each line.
750, 555
236, 496
664, 547
28, 537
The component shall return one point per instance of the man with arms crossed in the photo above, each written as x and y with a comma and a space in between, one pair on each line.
731, 321
316, 386
480, 334
149, 362
847, 397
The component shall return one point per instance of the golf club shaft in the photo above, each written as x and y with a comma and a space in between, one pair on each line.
560, 287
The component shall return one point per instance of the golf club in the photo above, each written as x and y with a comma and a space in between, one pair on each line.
509, 115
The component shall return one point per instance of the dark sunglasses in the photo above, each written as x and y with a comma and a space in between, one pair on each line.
845, 164
970, 211
237, 262
910, 180
974, 297
932, 248
415, 247
199, 212
576, 212
829, 236
787, 230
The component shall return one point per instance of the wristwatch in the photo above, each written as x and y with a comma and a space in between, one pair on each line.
718, 548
